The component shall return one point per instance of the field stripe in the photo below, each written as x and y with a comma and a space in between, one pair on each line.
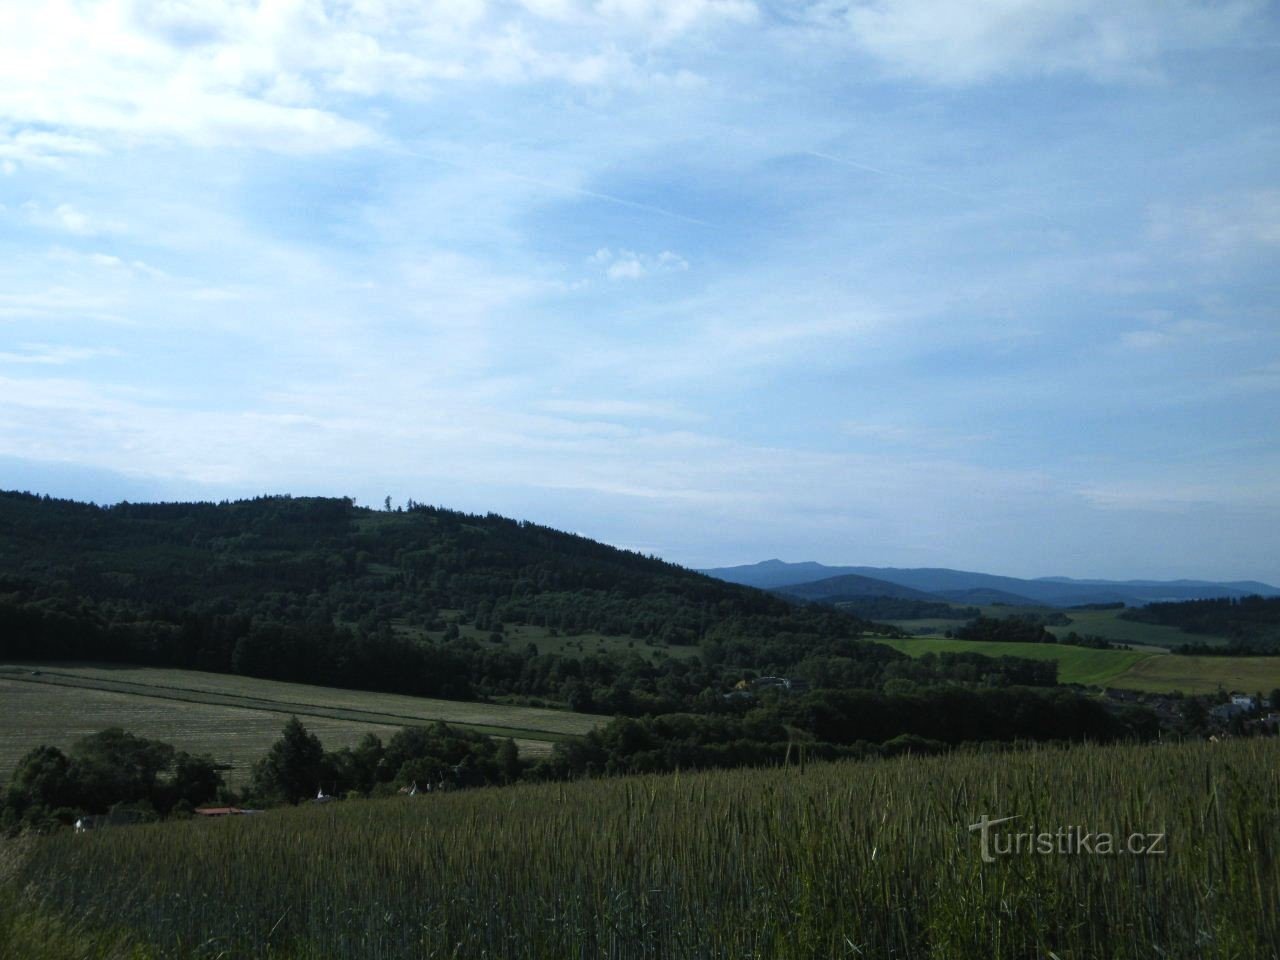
161, 692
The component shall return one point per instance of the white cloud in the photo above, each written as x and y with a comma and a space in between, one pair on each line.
68, 218
42, 147
197, 76
283, 75
970, 41
629, 265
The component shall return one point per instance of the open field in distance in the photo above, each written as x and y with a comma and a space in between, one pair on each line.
233, 718
1202, 674
1138, 669
1102, 623
1075, 664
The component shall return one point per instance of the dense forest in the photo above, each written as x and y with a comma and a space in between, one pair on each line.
323, 591
1252, 624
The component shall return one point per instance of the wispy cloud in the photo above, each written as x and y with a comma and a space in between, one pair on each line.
1222, 226
976, 40
44, 354
282, 76
970, 41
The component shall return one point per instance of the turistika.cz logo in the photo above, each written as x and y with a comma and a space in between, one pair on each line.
1069, 840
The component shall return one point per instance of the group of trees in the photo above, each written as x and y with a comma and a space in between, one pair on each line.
435, 757
119, 773
1018, 628
105, 771
851, 723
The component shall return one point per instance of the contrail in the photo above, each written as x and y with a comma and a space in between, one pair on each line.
565, 188
621, 201
931, 186
890, 173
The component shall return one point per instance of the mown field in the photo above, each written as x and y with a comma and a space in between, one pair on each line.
874, 859
235, 719
1202, 674
1075, 664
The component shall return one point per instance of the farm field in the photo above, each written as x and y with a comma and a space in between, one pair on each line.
233, 718
1082, 665
1101, 623
34, 714
1105, 623
1202, 674
872, 859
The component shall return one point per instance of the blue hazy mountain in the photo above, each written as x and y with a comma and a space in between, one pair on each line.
965, 586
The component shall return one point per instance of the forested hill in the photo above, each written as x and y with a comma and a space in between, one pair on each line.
311, 558
323, 590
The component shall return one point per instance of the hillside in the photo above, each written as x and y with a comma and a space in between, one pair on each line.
423, 601
850, 586
965, 586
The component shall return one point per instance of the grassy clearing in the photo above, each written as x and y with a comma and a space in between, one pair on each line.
839, 860
235, 719
1202, 674
1075, 664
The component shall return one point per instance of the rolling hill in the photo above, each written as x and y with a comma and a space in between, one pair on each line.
963, 586
422, 601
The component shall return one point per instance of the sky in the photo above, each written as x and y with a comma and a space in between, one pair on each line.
991, 285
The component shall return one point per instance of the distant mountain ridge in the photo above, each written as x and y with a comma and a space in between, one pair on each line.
850, 586
964, 586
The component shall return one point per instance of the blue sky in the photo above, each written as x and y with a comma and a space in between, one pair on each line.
992, 285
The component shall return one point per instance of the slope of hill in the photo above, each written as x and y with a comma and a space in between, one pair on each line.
969, 587
416, 601
848, 587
